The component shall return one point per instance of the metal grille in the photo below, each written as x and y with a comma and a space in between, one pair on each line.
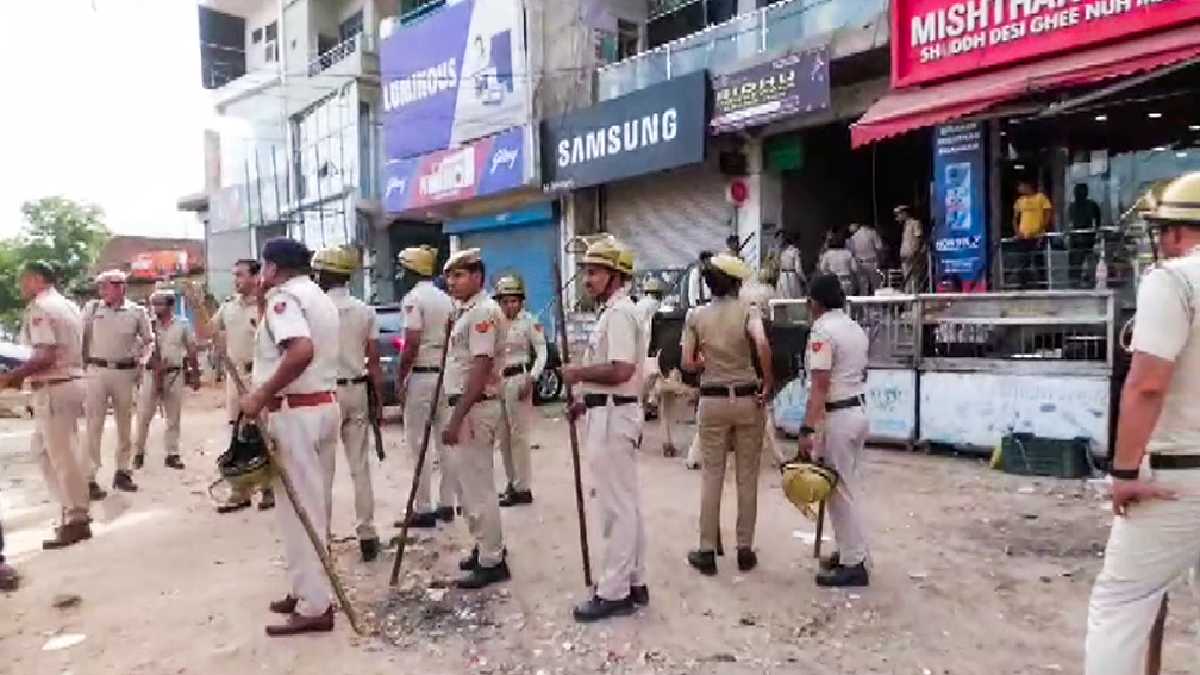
1025, 342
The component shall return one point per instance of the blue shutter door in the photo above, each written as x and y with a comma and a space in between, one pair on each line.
528, 250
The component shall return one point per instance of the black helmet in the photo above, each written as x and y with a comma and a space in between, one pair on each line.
246, 465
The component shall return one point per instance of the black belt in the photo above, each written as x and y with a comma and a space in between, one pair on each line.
601, 400
343, 381
453, 399
852, 402
726, 391
115, 365
426, 369
248, 367
1168, 462
170, 369
39, 384
514, 370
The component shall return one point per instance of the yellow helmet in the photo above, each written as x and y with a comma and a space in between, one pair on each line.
419, 259
626, 260
805, 484
467, 256
509, 284
336, 259
654, 285
608, 252
1179, 202
731, 265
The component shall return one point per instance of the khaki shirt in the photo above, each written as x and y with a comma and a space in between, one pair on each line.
837, 261
525, 334
298, 308
838, 344
173, 341
865, 245
720, 331
910, 239
428, 309
617, 337
1167, 326
120, 333
356, 321
479, 330
51, 320
237, 319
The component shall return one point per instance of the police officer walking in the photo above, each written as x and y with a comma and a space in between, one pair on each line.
53, 327
172, 364
294, 376
1155, 537
610, 383
473, 384
720, 341
116, 338
427, 313
866, 247
835, 423
234, 327
526, 340
358, 333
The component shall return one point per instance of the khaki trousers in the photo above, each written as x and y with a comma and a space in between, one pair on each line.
149, 398
867, 277
56, 412
729, 425
356, 441
473, 464
307, 440
844, 437
611, 436
1148, 549
513, 439
104, 385
417, 405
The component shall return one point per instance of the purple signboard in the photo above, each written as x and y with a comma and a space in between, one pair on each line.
793, 84
485, 167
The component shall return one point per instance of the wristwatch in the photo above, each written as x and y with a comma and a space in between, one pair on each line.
1123, 474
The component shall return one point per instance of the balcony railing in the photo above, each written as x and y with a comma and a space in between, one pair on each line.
340, 52
771, 29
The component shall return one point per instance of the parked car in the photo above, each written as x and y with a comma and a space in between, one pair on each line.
549, 385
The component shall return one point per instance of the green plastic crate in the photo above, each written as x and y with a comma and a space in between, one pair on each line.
1029, 455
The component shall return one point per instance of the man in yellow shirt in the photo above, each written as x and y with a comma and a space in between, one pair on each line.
1033, 216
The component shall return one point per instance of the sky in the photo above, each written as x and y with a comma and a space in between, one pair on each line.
103, 105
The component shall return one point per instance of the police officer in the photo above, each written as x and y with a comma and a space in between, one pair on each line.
358, 334
427, 314
1155, 537
473, 385
116, 338
52, 325
647, 305
866, 247
234, 327
720, 341
294, 377
835, 423
526, 339
759, 293
912, 249
610, 382
172, 364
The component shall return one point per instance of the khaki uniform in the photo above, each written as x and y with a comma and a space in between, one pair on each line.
790, 284
840, 263
865, 246
760, 295
1156, 541
357, 325
115, 339
611, 435
237, 320
728, 421
912, 256
306, 436
647, 307
51, 320
479, 330
172, 342
525, 335
839, 345
428, 309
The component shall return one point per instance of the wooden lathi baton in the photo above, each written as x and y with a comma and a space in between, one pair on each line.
565, 357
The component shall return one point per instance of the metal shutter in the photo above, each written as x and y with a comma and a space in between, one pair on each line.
528, 250
668, 218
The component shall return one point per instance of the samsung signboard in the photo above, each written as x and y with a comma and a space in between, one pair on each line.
653, 129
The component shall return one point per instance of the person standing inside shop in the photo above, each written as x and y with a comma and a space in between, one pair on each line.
867, 248
1033, 216
1084, 216
790, 283
912, 249
838, 261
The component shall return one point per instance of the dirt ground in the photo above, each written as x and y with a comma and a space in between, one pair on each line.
975, 572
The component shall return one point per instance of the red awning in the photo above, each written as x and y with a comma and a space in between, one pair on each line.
906, 109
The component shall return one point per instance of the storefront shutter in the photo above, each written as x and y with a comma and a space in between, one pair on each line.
528, 250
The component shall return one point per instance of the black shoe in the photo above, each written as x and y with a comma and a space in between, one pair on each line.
233, 507
95, 492
842, 577
173, 462
420, 520
139, 460
369, 548
445, 514
704, 561
484, 576
517, 497
470, 562
123, 481
831, 563
598, 608
640, 595
506, 494
747, 559
267, 501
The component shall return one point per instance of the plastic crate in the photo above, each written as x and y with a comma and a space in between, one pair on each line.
1030, 455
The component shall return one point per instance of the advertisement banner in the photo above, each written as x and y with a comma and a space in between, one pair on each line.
792, 84
484, 167
457, 75
960, 204
652, 129
940, 39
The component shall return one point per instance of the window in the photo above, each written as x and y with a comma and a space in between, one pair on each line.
628, 38
351, 26
272, 31
256, 36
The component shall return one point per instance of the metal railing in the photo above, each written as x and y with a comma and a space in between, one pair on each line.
340, 52
774, 28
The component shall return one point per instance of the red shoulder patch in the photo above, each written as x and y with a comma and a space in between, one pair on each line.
483, 326
280, 306
538, 327
817, 346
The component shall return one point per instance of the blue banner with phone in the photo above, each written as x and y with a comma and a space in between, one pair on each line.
960, 207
